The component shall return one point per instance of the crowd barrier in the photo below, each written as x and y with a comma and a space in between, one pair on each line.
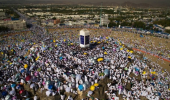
151, 54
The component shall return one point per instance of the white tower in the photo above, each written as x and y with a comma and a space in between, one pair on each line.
84, 38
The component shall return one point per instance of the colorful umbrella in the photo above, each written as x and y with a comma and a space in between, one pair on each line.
92, 88
126, 68
43, 82
4, 93
144, 73
100, 59
50, 48
60, 58
105, 53
39, 69
137, 69
36, 73
21, 91
153, 73
28, 78
13, 85
131, 51
96, 84
18, 86
80, 87
37, 58
50, 86
106, 72
22, 71
25, 66
101, 74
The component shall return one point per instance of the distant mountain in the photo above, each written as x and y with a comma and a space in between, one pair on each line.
144, 5
130, 4
103, 3
92, 2
37, 2
125, 4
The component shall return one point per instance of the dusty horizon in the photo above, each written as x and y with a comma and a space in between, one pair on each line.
161, 3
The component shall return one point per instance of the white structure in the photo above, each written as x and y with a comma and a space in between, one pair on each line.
167, 28
16, 25
105, 20
84, 38
2, 15
70, 23
119, 26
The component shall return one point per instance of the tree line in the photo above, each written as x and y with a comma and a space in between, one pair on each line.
136, 24
164, 22
4, 29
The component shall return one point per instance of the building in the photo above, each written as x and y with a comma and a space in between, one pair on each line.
2, 15
16, 25
167, 28
104, 20
57, 21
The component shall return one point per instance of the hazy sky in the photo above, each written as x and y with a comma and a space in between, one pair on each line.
167, 2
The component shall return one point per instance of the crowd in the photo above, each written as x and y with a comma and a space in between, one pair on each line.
147, 43
54, 62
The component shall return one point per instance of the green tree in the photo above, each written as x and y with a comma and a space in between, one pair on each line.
149, 27
167, 31
3, 28
139, 24
62, 20
111, 24
54, 18
126, 24
164, 22
97, 21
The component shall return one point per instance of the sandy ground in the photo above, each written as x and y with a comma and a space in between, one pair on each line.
154, 40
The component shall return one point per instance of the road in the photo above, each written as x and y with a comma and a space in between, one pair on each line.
29, 21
